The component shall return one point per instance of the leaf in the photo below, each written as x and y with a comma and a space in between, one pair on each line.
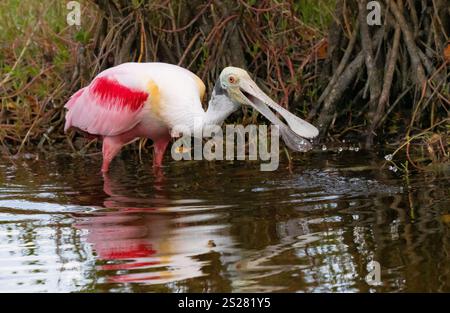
82, 36
322, 50
447, 53
446, 218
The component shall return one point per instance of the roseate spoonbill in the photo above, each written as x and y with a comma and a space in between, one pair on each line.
135, 100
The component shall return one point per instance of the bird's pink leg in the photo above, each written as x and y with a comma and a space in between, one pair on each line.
160, 147
111, 146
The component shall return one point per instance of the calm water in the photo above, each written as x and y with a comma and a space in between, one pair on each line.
220, 227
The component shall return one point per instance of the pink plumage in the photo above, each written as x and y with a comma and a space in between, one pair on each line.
113, 95
74, 98
105, 107
135, 100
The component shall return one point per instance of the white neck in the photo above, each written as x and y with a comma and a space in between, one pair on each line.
216, 114
219, 108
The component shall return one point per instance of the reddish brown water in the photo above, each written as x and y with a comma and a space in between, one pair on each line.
210, 227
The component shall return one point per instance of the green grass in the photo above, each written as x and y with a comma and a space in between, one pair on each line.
36, 56
317, 13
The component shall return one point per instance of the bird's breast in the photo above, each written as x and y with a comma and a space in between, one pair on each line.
174, 100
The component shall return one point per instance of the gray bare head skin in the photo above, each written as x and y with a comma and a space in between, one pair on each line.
220, 105
235, 87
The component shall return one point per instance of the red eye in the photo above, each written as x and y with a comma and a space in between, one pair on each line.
231, 79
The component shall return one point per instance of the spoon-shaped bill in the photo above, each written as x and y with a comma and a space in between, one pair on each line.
253, 93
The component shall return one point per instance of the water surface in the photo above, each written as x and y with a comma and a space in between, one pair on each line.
221, 226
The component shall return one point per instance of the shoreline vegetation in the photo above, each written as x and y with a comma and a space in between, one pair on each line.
368, 85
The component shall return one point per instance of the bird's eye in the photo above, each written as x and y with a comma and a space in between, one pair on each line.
231, 79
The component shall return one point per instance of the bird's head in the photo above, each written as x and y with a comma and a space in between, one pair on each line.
238, 87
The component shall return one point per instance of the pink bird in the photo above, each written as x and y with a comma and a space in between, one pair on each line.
148, 100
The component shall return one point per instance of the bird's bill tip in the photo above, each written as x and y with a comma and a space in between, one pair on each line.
260, 101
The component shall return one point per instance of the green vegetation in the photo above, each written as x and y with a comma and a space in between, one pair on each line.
36, 60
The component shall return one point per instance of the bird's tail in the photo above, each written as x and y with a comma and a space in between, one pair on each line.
72, 101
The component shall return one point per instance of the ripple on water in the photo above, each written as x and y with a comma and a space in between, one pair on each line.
219, 227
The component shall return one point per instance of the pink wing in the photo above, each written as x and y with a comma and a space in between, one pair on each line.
110, 105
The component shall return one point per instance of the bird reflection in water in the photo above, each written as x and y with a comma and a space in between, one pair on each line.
144, 240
